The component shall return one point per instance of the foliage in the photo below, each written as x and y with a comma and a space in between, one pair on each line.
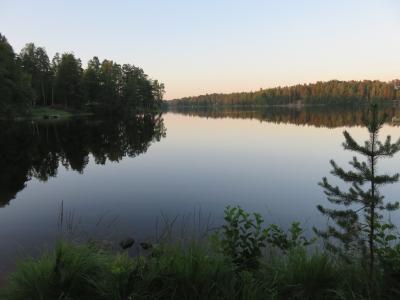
332, 92
15, 90
68, 89
36, 63
30, 79
287, 241
388, 250
243, 238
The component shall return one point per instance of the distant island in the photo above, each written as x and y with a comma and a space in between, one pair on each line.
329, 92
31, 85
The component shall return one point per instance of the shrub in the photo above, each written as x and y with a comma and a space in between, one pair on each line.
243, 238
287, 241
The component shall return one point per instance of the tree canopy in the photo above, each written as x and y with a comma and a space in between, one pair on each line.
15, 89
332, 92
30, 79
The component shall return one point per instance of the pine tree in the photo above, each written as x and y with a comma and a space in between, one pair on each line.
355, 223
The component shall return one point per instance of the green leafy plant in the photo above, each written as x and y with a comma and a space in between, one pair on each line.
384, 237
287, 241
388, 253
242, 237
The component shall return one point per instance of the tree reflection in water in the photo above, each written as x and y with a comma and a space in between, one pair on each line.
36, 149
318, 116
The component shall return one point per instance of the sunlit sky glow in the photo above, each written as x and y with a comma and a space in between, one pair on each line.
198, 47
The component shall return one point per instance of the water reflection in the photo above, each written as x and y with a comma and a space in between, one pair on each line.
36, 149
318, 116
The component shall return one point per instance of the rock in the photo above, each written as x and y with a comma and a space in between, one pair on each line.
146, 246
127, 243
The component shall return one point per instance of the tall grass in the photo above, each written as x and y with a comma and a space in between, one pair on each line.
58, 274
73, 271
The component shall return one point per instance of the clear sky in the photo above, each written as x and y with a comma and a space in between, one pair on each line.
207, 46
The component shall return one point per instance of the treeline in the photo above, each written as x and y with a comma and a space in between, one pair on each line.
43, 147
30, 79
330, 92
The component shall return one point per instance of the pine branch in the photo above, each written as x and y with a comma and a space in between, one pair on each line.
386, 179
364, 196
336, 196
361, 166
345, 217
392, 206
348, 176
387, 148
352, 145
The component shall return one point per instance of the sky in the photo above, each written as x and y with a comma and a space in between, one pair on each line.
212, 46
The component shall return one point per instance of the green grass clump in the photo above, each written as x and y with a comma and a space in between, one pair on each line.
60, 274
172, 272
178, 272
299, 275
193, 271
49, 112
45, 112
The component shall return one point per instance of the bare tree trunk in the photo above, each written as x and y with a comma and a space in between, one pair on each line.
372, 215
43, 94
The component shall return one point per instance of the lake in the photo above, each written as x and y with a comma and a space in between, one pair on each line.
114, 178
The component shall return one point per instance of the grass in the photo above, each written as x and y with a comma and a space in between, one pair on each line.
54, 113
76, 271
58, 274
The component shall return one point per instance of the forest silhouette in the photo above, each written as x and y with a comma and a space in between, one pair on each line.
38, 149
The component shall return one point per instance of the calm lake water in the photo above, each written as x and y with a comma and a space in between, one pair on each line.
118, 178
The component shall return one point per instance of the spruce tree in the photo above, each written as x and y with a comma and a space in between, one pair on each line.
362, 205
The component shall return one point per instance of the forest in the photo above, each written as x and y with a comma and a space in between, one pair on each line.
330, 92
29, 80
